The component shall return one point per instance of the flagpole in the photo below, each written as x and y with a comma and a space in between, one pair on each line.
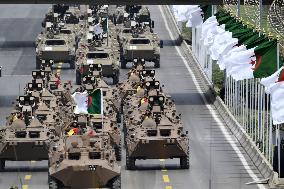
260, 14
278, 126
278, 146
239, 9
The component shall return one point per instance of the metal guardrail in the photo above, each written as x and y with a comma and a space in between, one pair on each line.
257, 157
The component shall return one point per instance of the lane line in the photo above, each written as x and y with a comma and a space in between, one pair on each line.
25, 186
211, 110
166, 178
28, 177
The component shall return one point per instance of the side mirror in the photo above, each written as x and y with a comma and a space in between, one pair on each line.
186, 132
161, 44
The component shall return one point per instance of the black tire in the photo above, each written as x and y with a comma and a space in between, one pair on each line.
38, 63
78, 77
157, 63
118, 117
123, 63
118, 152
2, 165
184, 162
130, 162
116, 183
54, 184
72, 64
115, 79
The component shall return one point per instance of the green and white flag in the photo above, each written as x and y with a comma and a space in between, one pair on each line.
258, 62
88, 103
190, 13
274, 85
81, 100
95, 102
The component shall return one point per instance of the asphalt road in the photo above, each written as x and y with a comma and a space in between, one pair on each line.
217, 160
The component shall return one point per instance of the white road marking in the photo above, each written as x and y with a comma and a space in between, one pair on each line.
212, 111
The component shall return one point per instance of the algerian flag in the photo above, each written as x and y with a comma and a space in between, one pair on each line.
256, 62
238, 64
195, 18
223, 42
274, 85
223, 60
95, 102
97, 29
181, 11
81, 100
190, 13
210, 23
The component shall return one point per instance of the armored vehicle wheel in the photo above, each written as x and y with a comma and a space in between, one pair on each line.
118, 117
184, 162
54, 184
157, 63
72, 64
118, 152
78, 77
123, 63
130, 162
38, 63
2, 165
116, 184
115, 79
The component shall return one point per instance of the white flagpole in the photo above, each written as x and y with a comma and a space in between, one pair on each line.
278, 126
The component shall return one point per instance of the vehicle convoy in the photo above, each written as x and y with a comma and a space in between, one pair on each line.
76, 128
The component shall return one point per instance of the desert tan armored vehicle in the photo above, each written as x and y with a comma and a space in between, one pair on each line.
21, 142
152, 135
97, 51
104, 57
144, 16
24, 138
143, 46
70, 14
83, 161
108, 124
57, 47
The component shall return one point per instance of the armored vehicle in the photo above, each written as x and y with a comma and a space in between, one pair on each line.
144, 16
21, 142
83, 161
107, 124
152, 135
103, 56
56, 47
141, 46
70, 14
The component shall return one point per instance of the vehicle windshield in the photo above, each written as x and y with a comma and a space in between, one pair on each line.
65, 31
126, 31
97, 55
140, 41
54, 42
